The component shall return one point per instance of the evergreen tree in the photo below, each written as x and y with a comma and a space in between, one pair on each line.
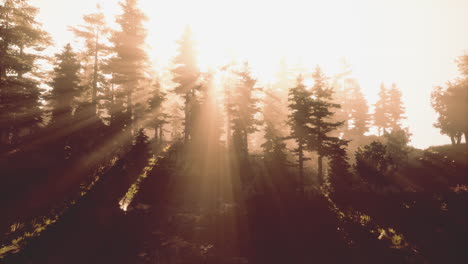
62, 98
342, 85
93, 32
319, 120
395, 109
397, 146
359, 111
65, 86
139, 152
208, 126
176, 120
278, 94
340, 175
186, 76
228, 81
155, 111
381, 118
21, 41
274, 146
242, 110
300, 104
129, 63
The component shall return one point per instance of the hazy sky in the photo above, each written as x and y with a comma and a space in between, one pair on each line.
410, 42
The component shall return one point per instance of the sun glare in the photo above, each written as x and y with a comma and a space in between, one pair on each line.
382, 41
233, 131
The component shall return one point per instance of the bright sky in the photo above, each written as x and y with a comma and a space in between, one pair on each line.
410, 42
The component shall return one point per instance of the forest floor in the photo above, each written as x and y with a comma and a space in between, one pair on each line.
188, 211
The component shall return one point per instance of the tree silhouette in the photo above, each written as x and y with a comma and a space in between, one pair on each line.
319, 120
300, 105
140, 151
451, 105
277, 93
129, 62
21, 41
372, 163
396, 110
186, 76
341, 178
397, 146
381, 117
343, 85
63, 97
242, 110
359, 109
155, 111
274, 146
65, 86
94, 31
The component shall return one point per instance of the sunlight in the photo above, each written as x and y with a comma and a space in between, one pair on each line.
222, 37
306, 33
220, 131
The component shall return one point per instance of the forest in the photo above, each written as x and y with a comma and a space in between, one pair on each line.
104, 159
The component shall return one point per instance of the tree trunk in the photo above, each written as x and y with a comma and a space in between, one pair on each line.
161, 131
187, 118
301, 169
320, 169
156, 140
459, 137
246, 144
112, 101
130, 112
95, 75
452, 138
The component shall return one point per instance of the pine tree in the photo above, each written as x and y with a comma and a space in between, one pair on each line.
300, 104
342, 85
359, 111
381, 117
155, 111
93, 32
65, 86
340, 174
278, 93
273, 109
319, 120
397, 146
21, 41
186, 76
208, 126
62, 98
274, 146
242, 110
129, 63
228, 82
396, 110
140, 151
